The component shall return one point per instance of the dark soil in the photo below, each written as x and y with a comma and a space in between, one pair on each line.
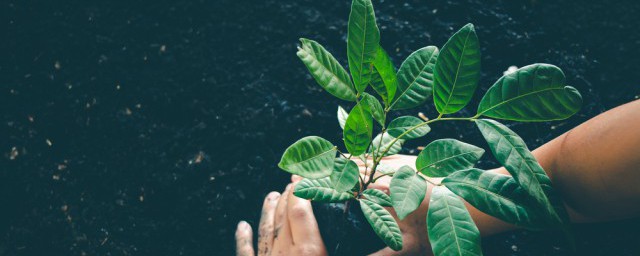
153, 127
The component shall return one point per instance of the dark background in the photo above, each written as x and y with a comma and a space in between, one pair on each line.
153, 127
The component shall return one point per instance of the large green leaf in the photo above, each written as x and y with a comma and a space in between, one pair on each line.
403, 124
450, 227
407, 191
378, 146
533, 93
415, 78
511, 151
457, 71
497, 195
378, 197
326, 70
358, 129
342, 116
363, 38
383, 78
382, 223
445, 156
320, 190
376, 108
310, 157
345, 174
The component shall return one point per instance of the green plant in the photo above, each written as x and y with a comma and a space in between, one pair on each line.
533, 93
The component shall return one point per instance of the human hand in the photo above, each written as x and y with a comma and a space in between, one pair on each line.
413, 227
287, 227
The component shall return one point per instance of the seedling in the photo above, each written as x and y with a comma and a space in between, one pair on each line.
449, 76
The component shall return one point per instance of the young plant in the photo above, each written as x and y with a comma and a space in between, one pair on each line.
533, 93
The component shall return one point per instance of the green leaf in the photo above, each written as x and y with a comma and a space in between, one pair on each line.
497, 195
363, 38
310, 157
358, 129
382, 223
320, 190
378, 197
345, 174
534, 93
403, 124
383, 79
386, 169
511, 151
377, 146
445, 156
415, 78
376, 108
326, 70
342, 116
407, 191
450, 227
457, 71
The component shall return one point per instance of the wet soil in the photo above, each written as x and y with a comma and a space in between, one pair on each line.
153, 127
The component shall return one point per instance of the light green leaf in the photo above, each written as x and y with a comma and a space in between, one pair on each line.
534, 93
342, 116
377, 196
376, 108
363, 38
403, 124
358, 129
511, 151
377, 146
407, 191
320, 190
450, 227
457, 71
386, 169
345, 174
415, 78
382, 223
383, 79
497, 195
445, 156
326, 70
310, 157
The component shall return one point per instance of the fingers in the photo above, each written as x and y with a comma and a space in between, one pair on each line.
266, 231
304, 227
244, 239
282, 232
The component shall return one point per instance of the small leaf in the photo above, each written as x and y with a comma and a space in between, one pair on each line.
358, 129
378, 197
326, 70
382, 223
450, 227
342, 116
310, 157
457, 71
445, 156
407, 191
386, 169
383, 79
320, 190
497, 195
377, 146
345, 174
415, 78
511, 151
376, 109
363, 38
534, 93
403, 124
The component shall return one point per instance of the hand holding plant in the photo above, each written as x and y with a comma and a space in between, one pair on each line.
449, 76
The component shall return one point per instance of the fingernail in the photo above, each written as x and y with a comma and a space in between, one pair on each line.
296, 178
273, 196
288, 187
243, 225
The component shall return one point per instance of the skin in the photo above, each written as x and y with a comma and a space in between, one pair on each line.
595, 167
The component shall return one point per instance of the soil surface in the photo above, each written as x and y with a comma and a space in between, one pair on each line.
153, 127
